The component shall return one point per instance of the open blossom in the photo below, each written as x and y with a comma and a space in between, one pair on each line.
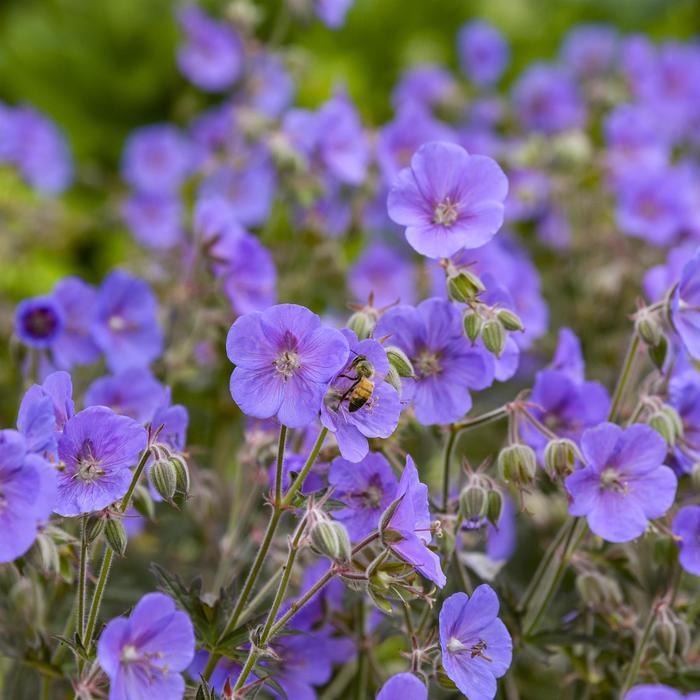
144, 654
366, 489
624, 483
589, 49
97, 450
686, 526
403, 686
448, 199
154, 219
75, 345
426, 85
476, 646
445, 364
483, 52
27, 495
285, 359
685, 310
385, 273
407, 530
39, 321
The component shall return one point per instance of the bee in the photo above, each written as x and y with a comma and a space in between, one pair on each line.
362, 387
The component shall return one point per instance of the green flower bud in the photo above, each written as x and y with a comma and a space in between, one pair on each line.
399, 361
510, 321
329, 538
663, 425
657, 353
362, 324
648, 328
94, 527
682, 637
675, 419
494, 336
472, 325
473, 502
517, 464
560, 457
463, 286
392, 378
182, 479
665, 635
495, 506
592, 589
116, 537
164, 478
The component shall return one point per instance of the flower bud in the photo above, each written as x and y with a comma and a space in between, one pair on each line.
472, 325
517, 464
675, 419
182, 479
463, 286
399, 361
362, 324
94, 527
560, 457
392, 378
494, 507
509, 320
592, 589
473, 502
648, 328
329, 538
116, 537
664, 426
164, 478
494, 336
665, 635
657, 353
682, 637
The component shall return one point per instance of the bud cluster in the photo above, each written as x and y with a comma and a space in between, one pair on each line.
169, 475
480, 500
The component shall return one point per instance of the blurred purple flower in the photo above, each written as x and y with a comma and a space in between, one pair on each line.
590, 49
268, 87
75, 345
686, 526
448, 200
657, 692
624, 483
483, 51
97, 448
501, 540
332, 12
685, 306
39, 321
476, 646
154, 219
385, 273
568, 356
403, 686
143, 654
427, 85
684, 396
285, 358
291, 466
528, 194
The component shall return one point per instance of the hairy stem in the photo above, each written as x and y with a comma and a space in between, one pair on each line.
82, 576
449, 448
624, 376
633, 670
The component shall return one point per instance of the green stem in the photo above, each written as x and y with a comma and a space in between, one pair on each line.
301, 477
467, 423
280, 461
363, 660
449, 448
624, 376
301, 602
633, 670
82, 576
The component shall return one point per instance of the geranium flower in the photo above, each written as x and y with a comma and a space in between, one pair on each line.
403, 686
686, 526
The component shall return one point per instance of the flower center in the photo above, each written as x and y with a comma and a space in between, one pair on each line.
116, 323
41, 323
130, 654
89, 469
446, 213
287, 363
454, 646
427, 364
611, 480
373, 495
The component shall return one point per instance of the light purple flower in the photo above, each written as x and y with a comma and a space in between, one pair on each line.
624, 483
686, 526
332, 12
476, 646
403, 686
656, 692
528, 194
589, 49
685, 309
448, 199
268, 87
501, 539
445, 364
75, 345
125, 326
144, 654
568, 356
684, 396
426, 85
410, 526
39, 321
154, 219
226, 669
367, 488
483, 52
97, 449
28, 488
285, 359
385, 273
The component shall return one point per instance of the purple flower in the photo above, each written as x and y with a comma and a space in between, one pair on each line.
39, 321
212, 55
528, 194
426, 86
332, 12
476, 646
657, 692
568, 356
172, 421
589, 49
385, 273
448, 200
483, 52
501, 540
226, 669
154, 219
268, 87
157, 159
684, 396
685, 309
686, 526
403, 686
378, 416
367, 488
125, 326
410, 526
143, 654
624, 482
75, 345
547, 99
97, 449
445, 364
291, 466
28, 494
285, 359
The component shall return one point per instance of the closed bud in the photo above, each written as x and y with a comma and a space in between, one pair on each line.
494, 336
658, 352
648, 328
94, 527
675, 419
472, 325
362, 324
682, 637
399, 361
560, 457
164, 478
665, 635
392, 378
592, 589
473, 502
510, 321
517, 464
182, 475
463, 286
115, 534
663, 425
143, 502
329, 538
494, 507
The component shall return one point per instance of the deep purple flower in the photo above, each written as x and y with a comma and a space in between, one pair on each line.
448, 200
28, 494
686, 526
589, 49
483, 52
426, 85
75, 345
446, 365
410, 526
385, 273
125, 326
97, 449
143, 654
285, 358
403, 686
685, 310
39, 321
332, 12
547, 99
624, 483
377, 417
157, 159
154, 219
367, 488
212, 55
476, 646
